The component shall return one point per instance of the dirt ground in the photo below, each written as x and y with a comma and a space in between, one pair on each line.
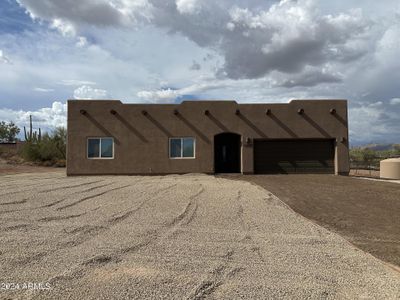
365, 212
172, 237
9, 168
364, 173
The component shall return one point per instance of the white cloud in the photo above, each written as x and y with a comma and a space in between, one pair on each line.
64, 27
388, 45
373, 122
67, 16
159, 95
251, 51
230, 26
43, 90
46, 118
75, 82
287, 36
88, 92
188, 6
205, 85
3, 58
395, 101
82, 42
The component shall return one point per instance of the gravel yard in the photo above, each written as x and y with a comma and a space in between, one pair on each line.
174, 237
365, 211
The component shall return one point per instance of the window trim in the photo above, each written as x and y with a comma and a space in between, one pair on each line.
181, 138
99, 138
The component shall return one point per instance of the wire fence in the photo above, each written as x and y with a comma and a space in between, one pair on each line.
361, 165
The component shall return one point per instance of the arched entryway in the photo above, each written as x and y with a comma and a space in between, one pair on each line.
227, 154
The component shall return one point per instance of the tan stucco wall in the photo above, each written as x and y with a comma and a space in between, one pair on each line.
141, 142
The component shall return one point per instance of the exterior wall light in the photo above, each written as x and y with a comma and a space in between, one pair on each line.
332, 111
300, 111
207, 112
340, 140
144, 113
176, 112
113, 112
237, 112
268, 111
248, 141
83, 112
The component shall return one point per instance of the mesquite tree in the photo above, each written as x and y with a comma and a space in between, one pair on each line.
8, 132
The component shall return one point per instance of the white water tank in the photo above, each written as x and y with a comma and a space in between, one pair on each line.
390, 168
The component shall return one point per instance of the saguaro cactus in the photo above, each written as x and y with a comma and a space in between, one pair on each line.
32, 136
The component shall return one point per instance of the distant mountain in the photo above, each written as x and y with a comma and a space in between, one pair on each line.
379, 147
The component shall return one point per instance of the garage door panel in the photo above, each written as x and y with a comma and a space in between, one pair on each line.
282, 167
293, 156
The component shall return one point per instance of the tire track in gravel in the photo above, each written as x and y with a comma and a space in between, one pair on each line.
69, 186
48, 190
248, 238
29, 259
116, 218
59, 218
18, 182
15, 202
224, 271
152, 236
88, 190
83, 234
77, 192
91, 197
50, 204
184, 218
24, 190
15, 227
217, 277
187, 215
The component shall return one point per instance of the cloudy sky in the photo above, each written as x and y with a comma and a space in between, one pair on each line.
163, 51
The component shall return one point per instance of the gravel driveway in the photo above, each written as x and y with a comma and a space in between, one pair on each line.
171, 237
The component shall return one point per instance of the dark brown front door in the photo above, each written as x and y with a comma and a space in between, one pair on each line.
294, 156
227, 153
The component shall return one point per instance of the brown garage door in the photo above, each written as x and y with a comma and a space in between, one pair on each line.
293, 156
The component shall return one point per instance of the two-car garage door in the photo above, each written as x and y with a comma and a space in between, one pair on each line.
294, 156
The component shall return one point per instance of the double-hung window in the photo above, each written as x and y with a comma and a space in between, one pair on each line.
182, 147
100, 148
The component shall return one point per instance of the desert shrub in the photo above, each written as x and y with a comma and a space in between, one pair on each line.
48, 150
8, 132
51, 148
60, 163
30, 151
60, 141
365, 158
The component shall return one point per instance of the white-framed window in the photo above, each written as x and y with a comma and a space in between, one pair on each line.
100, 148
182, 147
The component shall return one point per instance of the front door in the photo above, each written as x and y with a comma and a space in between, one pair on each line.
227, 153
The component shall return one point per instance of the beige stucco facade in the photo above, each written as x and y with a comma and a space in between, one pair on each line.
141, 132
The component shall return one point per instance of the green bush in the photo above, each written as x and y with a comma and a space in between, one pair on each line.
51, 148
369, 158
30, 152
8, 132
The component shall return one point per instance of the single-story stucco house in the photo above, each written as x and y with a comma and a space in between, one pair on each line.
302, 136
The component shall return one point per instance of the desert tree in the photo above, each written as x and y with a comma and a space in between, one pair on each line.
8, 132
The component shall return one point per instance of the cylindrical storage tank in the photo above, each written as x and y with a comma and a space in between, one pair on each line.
390, 168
